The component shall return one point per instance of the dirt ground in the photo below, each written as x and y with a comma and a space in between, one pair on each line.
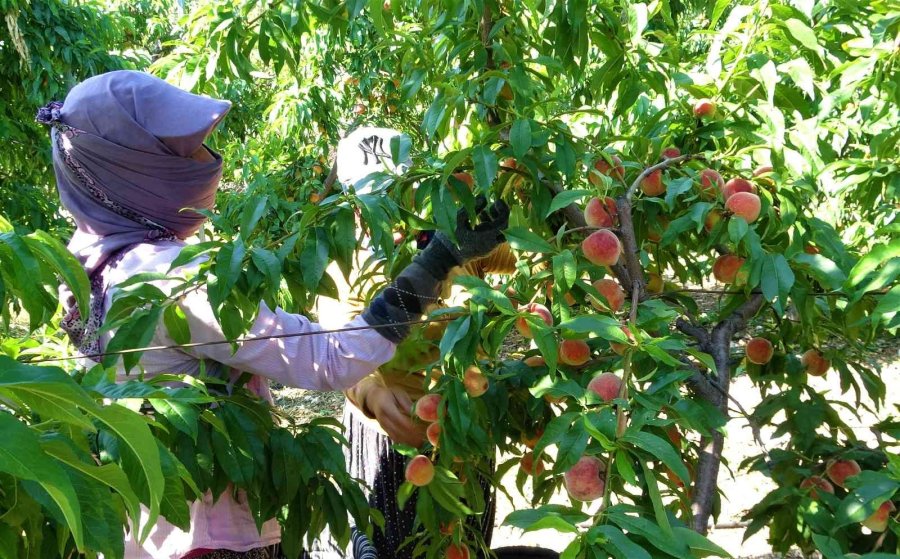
741, 491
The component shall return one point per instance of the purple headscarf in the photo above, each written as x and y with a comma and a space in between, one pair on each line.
122, 146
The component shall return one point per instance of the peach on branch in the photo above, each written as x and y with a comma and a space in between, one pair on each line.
569, 298
610, 292
433, 433
745, 205
712, 218
530, 466
584, 481
815, 484
537, 309
475, 382
839, 470
600, 213
815, 363
613, 170
711, 183
655, 283
574, 352
652, 184
878, 521
810, 249
420, 471
602, 248
657, 228
427, 407
704, 108
619, 347
725, 268
531, 440
759, 351
460, 551
736, 185
671, 152
606, 385
535, 361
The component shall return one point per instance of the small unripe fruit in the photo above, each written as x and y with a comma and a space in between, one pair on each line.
537, 309
602, 248
529, 466
652, 184
759, 351
879, 520
460, 551
725, 268
475, 382
671, 152
610, 292
433, 433
745, 205
712, 218
574, 352
420, 471
427, 407
584, 481
815, 484
606, 385
704, 108
736, 185
839, 470
597, 212
620, 348
815, 363
615, 171
711, 183
655, 283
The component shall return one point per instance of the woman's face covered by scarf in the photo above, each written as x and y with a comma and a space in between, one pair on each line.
130, 162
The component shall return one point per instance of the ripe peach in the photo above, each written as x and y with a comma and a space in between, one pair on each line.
671, 152
420, 471
652, 184
725, 268
815, 363
433, 433
615, 171
655, 283
584, 480
455, 551
759, 351
810, 249
475, 382
537, 309
711, 183
879, 520
574, 352
529, 466
465, 178
620, 348
656, 228
610, 292
570, 299
427, 407
597, 213
745, 205
712, 218
704, 108
535, 361
736, 185
815, 482
606, 385
602, 248
839, 470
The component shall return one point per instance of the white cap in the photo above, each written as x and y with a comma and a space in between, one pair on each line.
364, 151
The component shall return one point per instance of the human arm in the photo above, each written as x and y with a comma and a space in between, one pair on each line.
391, 406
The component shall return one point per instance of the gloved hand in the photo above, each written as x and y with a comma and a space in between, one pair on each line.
392, 408
419, 283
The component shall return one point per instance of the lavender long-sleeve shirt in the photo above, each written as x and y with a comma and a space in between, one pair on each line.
319, 362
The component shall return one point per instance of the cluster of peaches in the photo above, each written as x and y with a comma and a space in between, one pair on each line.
838, 471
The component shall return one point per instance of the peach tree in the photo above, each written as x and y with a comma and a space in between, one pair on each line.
702, 193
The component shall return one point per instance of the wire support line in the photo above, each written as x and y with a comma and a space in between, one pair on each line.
241, 340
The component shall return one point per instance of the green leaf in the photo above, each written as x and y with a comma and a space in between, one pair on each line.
254, 208
228, 268
49, 391
400, 148
659, 510
176, 324
606, 327
824, 270
134, 334
480, 288
872, 490
565, 198
64, 263
659, 449
21, 456
698, 542
521, 238
803, 34
314, 258
553, 517
520, 137
565, 270
776, 277
184, 417
622, 547
876, 269
485, 162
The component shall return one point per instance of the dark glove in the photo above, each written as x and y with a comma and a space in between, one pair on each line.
420, 283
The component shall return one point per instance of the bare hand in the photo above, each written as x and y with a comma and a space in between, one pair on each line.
392, 408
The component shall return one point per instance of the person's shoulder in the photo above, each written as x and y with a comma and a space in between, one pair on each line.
154, 257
